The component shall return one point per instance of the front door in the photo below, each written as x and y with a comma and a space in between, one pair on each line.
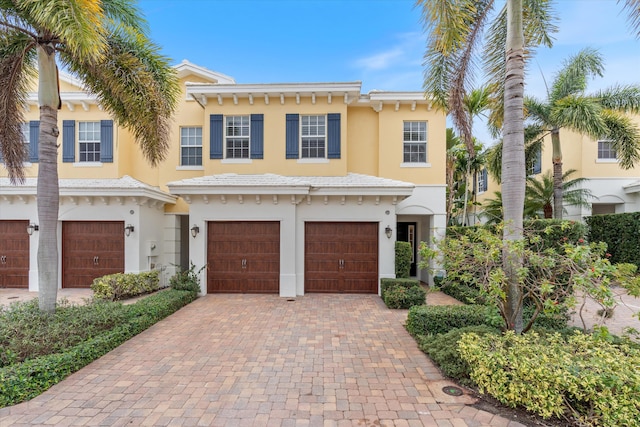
407, 233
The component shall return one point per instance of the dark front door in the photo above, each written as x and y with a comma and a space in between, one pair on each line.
91, 249
243, 257
407, 233
341, 257
14, 254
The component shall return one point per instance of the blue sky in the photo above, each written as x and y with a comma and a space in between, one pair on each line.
378, 42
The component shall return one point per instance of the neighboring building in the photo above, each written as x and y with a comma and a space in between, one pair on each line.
281, 188
616, 190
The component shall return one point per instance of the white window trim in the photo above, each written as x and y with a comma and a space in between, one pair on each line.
415, 164
425, 142
226, 140
78, 142
191, 167
87, 164
324, 159
314, 160
236, 161
607, 160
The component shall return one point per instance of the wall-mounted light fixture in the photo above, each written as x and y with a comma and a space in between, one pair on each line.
128, 230
388, 231
31, 228
194, 231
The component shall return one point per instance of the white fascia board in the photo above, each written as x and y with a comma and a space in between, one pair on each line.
634, 187
73, 97
208, 190
186, 68
398, 96
362, 191
119, 192
288, 89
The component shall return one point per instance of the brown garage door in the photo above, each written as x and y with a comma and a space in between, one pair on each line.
91, 249
341, 257
14, 254
243, 257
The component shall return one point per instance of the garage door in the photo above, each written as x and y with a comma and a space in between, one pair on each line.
14, 254
243, 257
341, 257
91, 249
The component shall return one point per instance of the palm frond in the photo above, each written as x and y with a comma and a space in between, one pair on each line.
492, 209
571, 80
625, 98
537, 111
624, 135
533, 141
633, 7
16, 71
579, 113
136, 84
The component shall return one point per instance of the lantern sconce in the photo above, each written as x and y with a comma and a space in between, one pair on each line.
31, 228
128, 230
194, 231
388, 231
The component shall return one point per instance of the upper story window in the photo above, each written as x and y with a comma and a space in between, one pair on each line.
237, 132
313, 134
89, 141
30, 131
606, 151
191, 146
483, 180
94, 141
536, 167
415, 142
26, 135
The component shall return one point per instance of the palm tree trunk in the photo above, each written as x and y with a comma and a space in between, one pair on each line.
465, 220
513, 161
47, 188
557, 174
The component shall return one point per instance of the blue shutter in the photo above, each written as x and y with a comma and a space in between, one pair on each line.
293, 132
257, 136
106, 141
34, 135
333, 136
215, 136
68, 141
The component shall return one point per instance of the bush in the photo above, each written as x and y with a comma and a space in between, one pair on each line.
403, 260
186, 280
399, 296
115, 287
595, 382
443, 350
23, 381
386, 284
462, 292
621, 233
426, 320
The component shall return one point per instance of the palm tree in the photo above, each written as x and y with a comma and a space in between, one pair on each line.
633, 7
455, 28
453, 151
539, 194
601, 115
104, 43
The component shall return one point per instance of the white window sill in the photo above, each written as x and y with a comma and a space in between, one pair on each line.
415, 165
313, 160
87, 164
607, 160
237, 161
189, 168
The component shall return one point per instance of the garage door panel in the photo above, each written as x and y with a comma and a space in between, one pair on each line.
243, 257
14, 250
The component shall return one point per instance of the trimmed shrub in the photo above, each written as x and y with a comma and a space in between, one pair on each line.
425, 320
462, 292
401, 297
387, 283
186, 280
443, 350
593, 381
621, 233
24, 381
403, 260
115, 287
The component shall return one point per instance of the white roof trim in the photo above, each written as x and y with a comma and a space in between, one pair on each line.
286, 89
186, 68
633, 187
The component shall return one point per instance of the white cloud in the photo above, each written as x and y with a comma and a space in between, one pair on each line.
380, 61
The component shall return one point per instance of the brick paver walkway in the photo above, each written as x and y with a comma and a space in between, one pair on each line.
261, 360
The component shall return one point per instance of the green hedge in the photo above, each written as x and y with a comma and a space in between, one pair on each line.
581, 376
23, 381
115, 287
388, 283
403, 260
403, 298
621, 233
440, 319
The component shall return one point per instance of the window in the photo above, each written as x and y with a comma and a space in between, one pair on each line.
483, 181
191, 146
536, 166
606, 151
313, 131
415, 142
89, 141
238, 136
26, 135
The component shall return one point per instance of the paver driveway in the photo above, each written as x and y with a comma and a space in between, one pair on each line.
244, 360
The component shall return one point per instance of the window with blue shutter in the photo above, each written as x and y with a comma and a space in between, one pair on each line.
293, 132
215, 136
333, 135
34, 135
106, 141
257, 136
68, 141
